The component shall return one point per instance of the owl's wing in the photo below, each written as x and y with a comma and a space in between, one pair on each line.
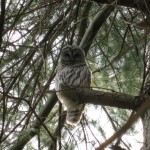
85, 78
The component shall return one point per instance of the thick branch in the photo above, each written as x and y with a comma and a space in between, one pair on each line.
84, 21
94, 27
112, 99
140, 5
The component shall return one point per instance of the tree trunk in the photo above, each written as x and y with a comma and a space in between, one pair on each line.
146, 93
146, 130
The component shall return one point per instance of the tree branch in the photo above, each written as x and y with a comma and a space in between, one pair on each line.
84, 21
94, 27
112, 99
140, 5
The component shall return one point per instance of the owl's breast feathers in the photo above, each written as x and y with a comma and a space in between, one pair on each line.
70, 77
67, 79
74, 76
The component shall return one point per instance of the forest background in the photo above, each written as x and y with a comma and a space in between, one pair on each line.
115, 38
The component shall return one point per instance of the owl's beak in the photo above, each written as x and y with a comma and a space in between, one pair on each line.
71, 59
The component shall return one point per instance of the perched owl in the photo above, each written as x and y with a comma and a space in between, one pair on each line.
73, 72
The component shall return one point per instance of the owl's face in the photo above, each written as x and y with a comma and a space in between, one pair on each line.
72, 55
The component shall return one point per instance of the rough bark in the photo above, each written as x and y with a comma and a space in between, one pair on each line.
112, 99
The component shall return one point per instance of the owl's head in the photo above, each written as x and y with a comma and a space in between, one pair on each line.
71, 55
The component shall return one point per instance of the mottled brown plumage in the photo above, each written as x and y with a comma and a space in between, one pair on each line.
73, 72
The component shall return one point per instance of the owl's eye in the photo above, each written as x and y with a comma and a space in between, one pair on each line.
76, 55
66, 55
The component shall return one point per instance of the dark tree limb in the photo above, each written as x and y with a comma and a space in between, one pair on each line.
112, 99
94, 27
84, 21
140, 5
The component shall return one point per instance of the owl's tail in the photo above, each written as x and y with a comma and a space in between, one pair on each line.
74, 116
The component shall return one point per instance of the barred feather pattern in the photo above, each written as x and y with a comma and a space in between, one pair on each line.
67, 79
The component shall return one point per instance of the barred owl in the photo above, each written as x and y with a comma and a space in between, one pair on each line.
73, 72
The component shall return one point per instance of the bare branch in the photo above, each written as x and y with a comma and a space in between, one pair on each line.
94, 27
84, 21
113, 99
